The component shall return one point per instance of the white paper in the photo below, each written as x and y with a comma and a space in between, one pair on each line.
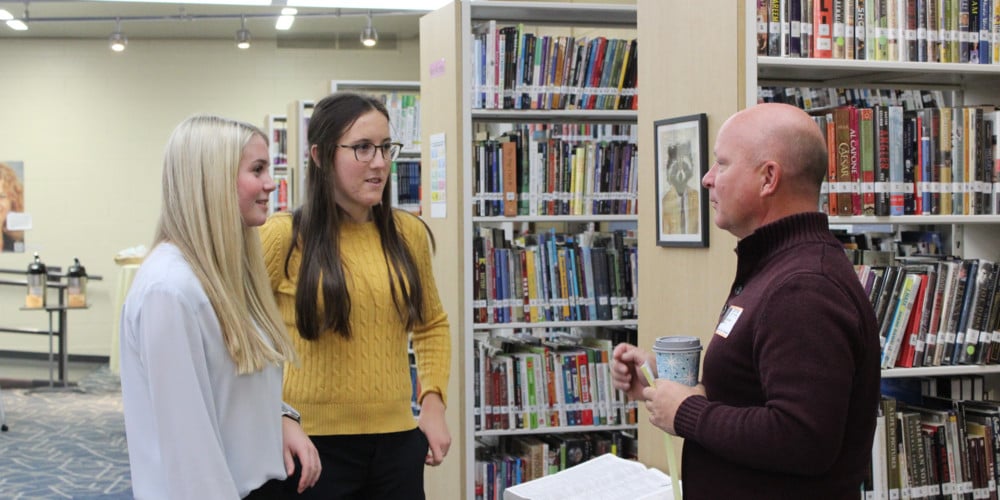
438, 177
607, 477
18, 221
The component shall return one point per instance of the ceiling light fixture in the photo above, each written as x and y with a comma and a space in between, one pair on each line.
117, 39
286, 19
243, 35
369, 37
205, 2
16, 24
426, 5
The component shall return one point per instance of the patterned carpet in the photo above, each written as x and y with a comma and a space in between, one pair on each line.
65, 444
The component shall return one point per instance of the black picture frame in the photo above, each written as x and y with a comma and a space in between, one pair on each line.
681, 162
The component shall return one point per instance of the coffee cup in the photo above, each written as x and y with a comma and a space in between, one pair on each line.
678, 358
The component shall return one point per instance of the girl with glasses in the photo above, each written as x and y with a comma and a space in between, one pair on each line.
353, 280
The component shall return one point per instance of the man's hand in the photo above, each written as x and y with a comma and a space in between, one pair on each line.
625, 369
665, 398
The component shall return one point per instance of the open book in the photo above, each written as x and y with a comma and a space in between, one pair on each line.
607, 477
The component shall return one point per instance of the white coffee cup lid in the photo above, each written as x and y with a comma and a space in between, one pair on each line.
676, 343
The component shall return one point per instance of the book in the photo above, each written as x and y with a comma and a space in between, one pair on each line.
774, 46
854, 151
867, 139
911, 199
888, 408
993, 323
762, 26
806, 28
882, 181
509, 155
878, 484
534, 453
839, 28
822, 29
953, 335
965, 311
793, 19
861, 19
850, 11
911, 336
977, 337
913, 451
926, 330
900, 318
897, 184
832, 184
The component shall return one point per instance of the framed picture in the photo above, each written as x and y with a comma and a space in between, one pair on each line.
681, 162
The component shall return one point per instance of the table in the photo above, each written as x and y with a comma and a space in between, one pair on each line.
57, 328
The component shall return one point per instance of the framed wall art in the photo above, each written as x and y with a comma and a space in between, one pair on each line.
681, 162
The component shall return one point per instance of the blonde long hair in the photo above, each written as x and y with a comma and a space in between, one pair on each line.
200, 215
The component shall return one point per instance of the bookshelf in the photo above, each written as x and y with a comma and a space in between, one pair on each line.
450, 87
276, 127
727, 65
959, 84
297, 142
402, 100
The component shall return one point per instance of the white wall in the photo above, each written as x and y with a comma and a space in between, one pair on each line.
90, 126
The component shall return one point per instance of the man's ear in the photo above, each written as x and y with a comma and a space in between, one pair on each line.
770, 177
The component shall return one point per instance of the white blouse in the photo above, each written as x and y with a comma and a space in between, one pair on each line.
195, 429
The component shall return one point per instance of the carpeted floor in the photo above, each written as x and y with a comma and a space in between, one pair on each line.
65, 444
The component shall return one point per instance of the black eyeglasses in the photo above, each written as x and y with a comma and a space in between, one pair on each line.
365, 152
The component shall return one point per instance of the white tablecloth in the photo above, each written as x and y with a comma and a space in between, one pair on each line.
125, 275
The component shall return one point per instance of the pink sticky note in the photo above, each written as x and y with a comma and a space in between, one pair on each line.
437, 68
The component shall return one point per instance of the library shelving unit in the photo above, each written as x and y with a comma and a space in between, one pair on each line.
402, 100
297, 142
276, 127
961, 84
449, 87
966, 236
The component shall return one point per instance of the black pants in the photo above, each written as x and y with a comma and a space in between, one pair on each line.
274, 489
369, 466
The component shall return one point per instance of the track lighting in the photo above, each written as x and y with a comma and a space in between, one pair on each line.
15, 24
369, 37
286, 19
243, 35
117, 39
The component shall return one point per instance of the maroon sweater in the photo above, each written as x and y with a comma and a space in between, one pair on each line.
793, 390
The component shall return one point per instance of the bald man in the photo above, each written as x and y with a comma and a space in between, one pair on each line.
790, 382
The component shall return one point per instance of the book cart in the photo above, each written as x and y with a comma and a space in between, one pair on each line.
907, 75
535, 323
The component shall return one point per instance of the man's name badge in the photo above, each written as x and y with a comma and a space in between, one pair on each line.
728, 321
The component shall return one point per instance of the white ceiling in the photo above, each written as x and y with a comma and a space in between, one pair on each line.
144, 21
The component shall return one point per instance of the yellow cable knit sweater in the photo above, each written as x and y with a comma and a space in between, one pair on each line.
361, 385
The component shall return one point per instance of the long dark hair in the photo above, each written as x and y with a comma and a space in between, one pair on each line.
318, 223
